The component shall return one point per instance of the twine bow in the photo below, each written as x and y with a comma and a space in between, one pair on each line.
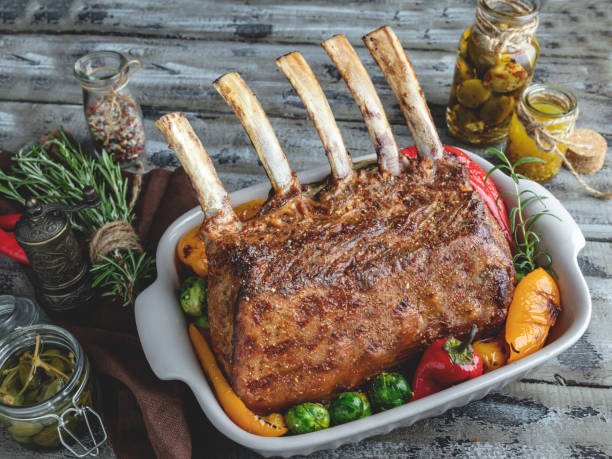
496, 37
548, 139
118, 234
112, 112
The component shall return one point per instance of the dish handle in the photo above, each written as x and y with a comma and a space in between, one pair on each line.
153, 319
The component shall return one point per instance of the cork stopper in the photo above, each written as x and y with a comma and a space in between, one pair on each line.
585, 160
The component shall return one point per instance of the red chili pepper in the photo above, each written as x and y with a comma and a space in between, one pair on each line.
446, 362
487, 190
8, 221
10, 248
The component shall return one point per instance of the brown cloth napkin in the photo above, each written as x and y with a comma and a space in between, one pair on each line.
144, 416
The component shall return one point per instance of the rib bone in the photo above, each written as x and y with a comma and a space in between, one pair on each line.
255, 122
387, 50
356, 77
199, 167
300, 75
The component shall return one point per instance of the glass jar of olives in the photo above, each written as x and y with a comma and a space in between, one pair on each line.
47, 391
549, 107
495, 62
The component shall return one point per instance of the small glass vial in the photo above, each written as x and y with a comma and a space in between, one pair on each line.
17, 312
113, 114
66, 418
492, 69
554, 105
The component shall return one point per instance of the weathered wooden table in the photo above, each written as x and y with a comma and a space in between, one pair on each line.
565, 407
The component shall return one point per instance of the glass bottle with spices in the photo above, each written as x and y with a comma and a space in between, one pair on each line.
113, 114
495, 62
47, 391
544, 119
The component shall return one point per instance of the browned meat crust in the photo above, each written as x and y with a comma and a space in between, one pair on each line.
316, 295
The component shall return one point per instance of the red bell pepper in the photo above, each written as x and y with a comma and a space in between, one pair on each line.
446, 362
487, 190
8, 243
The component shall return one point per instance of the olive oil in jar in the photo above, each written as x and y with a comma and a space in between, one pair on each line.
548, 104
492, 69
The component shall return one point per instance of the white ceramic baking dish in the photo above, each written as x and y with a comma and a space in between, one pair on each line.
164, 338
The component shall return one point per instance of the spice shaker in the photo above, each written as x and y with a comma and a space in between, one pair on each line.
113, 114
17, 312
67, 417
45, 234
495, 63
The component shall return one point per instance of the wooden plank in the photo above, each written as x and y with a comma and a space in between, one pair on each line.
36, 70
425, 24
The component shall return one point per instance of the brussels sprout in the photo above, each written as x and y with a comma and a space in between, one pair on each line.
389, 390
472, 93
202, 322
348, 407
307, 417
193, 296
496, 109
505, 77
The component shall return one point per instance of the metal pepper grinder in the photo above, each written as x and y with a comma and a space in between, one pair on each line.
45, 234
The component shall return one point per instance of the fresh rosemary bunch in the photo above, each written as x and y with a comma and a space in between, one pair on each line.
526, 240
57, 170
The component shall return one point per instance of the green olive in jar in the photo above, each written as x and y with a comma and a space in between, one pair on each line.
463, 70
496, 110
463, 43
472, 93
505, 77
480, 56
466, 119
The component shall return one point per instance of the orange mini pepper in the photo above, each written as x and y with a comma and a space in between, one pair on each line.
268, 426
191, 249
534, 309
493, 353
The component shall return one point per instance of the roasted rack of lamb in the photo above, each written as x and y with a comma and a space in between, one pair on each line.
316, 294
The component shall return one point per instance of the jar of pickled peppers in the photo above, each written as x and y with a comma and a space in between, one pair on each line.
555, 108
47, 391
495, 63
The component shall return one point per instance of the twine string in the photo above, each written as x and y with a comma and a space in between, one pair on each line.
118, 234
548, 140
496, 36
112, 111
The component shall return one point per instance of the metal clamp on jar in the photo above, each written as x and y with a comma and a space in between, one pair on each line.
66, 418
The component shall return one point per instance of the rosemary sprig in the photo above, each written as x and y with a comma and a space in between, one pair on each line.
526, 240
57, 170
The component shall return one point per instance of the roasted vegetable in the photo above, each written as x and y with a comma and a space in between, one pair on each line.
268, 426
349, 406
191, 251
307, 417
193, 296
493, 353
446, 362
389, 390
534, 309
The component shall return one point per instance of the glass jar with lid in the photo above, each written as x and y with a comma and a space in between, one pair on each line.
19, 312
495, 63
64, 418
554, 107
113, 114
